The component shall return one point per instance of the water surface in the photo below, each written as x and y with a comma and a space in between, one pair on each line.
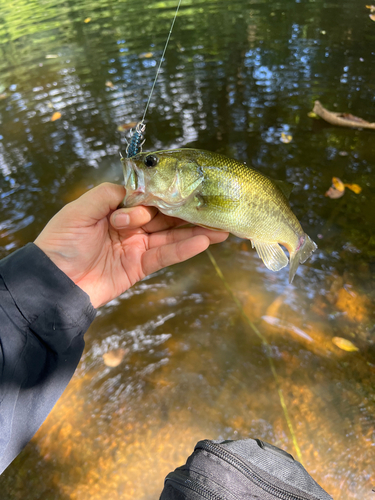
236, 76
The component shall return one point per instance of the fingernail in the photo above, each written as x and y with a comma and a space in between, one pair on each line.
122, 220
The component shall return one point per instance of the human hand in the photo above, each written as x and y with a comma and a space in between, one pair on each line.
105, 251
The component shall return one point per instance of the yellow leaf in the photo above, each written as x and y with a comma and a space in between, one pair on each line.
338, 184
312, 115
109, 84
126, 126
56, 116
87, 20
371, 7
285, 138
344, 344
354, 187
372, 17
146, 55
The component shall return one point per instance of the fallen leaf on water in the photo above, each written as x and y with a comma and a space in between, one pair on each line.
341, 119
285, 138
126, 126
56, 116
334, 193
114, 358
372, 17
338, 188
354, 187
371, 7
344, 344
146, 55
311, 114
109, 84
51, 56
87, 20
338, 184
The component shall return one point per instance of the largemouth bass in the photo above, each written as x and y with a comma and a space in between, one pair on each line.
211, 190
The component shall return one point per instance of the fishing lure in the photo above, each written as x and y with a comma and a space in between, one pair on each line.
137, 138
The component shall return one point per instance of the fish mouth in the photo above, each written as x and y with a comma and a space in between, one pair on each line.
134, 182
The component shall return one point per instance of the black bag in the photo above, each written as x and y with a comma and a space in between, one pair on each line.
238, 470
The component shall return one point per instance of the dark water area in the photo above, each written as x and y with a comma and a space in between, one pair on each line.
237, 75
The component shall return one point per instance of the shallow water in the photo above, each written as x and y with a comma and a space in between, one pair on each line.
236, 76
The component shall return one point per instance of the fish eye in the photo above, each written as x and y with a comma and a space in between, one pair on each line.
151, 161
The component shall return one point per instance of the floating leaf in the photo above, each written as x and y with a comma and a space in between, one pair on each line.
51, 56
338, 188
372, 17
342, 119
114, 358
338, 184
344, 344
87, 20
146, 55
334, 193
56, 116
371, 7
109, 84
311, 114
126, 126
285, 138
354, 187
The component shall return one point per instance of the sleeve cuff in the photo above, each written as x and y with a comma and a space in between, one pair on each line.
50, 302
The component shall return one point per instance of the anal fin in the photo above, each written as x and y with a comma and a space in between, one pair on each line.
271, 254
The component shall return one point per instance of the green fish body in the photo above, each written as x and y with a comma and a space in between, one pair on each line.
211, 190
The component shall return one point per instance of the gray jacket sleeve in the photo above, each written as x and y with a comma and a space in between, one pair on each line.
43, 317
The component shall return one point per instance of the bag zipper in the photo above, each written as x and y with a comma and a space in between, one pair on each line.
220, 452
193, 485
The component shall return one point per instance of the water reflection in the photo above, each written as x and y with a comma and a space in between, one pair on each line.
237, 75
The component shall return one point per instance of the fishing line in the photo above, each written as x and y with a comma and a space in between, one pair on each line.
136, 142
268, 353
161, 60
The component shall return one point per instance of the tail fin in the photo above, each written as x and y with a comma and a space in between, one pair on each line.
305, 248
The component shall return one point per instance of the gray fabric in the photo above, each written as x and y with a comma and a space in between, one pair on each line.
240, 470
278, 466
43, 316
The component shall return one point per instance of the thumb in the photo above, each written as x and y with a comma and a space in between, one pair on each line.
97, 203
131, 218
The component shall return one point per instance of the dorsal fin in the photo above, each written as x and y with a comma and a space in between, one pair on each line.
285, 187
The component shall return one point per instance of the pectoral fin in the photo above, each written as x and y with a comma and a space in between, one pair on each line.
271, 254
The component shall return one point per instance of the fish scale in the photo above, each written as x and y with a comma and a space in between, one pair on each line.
214, 191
